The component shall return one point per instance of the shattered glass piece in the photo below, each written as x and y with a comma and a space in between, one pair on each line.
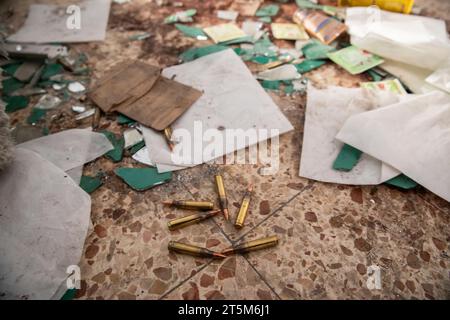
78, 109
142, 156
36, 115
122, 119
10, 85
15, 103
195, 53
192, 32
138, 146
76, 87
51, 70
265, 19
181, 16
141, 179
48, 102
118, 143
347, 158
284, 72
227, 15
316, 50
403, 182
86, 114
308, 65
131, 137
268, 11
271, 85
251, 28
139, 36
90, 184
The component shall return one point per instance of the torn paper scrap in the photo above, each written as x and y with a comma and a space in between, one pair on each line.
326, 112
43, 225
233, 102
80, 22
412, 136
415, 40
70, 148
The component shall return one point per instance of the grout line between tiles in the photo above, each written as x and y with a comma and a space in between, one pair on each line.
262, 278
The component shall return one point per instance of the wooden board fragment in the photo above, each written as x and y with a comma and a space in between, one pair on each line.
162, 105
124, 84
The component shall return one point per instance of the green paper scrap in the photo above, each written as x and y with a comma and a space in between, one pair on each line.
402, 181
50, 70
36, 115
70, 294
90, 184
122, 119
316, 50
265, 19
271, 84
355, 60
182, 16
141, 179
374, 75
268, 11
115, 154
195, 53
308, 65
138, 146
246, 39
11, 68
192, 32
10, 85
347, 158
15, 103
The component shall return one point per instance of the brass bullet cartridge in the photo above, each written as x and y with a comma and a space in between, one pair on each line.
242, 214
253, 245
193, 250
190, 219
190, 205
168, 136
222, 196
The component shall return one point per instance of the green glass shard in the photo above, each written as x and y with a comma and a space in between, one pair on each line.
316, 50
264, 47
192, 32
50, 70
118, 143
69, 295
90, 184
10, 85
15, 103
374, 75
141, 179
268, 11
402, 181
36, 115
246, 39
262, 59
271, 84
139, 36
138, 146
195, 53
308, 65
11, 68
289, 89
347, 158
121, 119
182, 16
265, 19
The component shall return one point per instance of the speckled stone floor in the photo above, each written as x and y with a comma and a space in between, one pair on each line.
330, 235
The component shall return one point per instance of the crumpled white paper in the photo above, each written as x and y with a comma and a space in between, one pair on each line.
70, 149
232, 99
415, 40
44, 218
326, 112
412, 136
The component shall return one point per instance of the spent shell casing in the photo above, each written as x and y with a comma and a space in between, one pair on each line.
193, 250
191, 219
253, 245
222, 196
168, 136
242, 214
190, 205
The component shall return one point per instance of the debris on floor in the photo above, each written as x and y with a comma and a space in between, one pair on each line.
150, 100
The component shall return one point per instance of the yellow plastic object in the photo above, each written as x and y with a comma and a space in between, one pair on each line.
402, 6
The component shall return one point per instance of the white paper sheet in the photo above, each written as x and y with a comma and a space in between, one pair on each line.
411, 136
53, 23
441, 77
232, 100
415, 40
44, 218
326, 112
70, 148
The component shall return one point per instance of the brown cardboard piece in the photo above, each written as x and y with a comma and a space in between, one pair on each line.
138, 91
